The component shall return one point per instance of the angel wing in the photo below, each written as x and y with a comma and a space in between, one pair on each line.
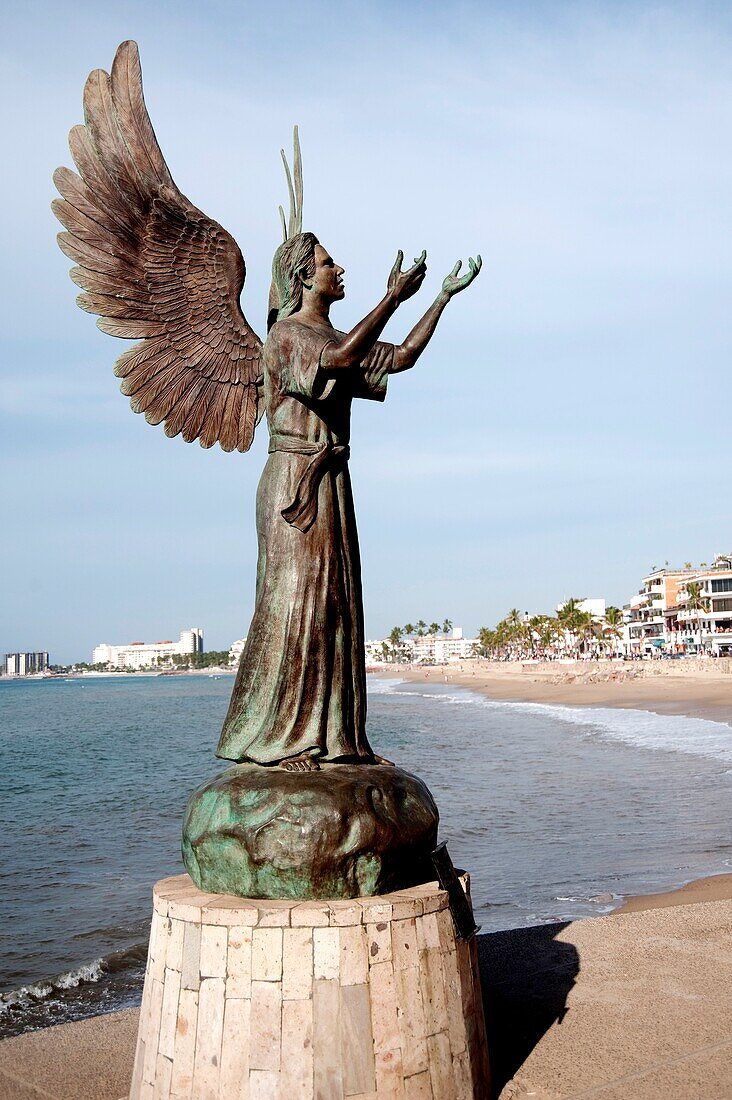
154, 267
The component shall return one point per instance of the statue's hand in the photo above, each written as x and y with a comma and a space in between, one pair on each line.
453, 284
406, 283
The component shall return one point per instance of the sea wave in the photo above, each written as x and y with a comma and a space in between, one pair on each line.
56, 988
382, 686
638, 728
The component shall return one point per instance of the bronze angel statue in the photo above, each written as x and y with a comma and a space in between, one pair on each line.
158, 270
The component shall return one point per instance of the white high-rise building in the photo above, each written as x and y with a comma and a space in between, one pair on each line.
137, 655
26, 664
192, 639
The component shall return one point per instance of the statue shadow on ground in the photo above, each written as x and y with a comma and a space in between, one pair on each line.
526, 977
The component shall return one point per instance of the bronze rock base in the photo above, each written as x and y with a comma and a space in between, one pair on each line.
345, 831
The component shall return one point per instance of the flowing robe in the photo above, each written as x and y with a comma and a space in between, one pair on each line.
301, 684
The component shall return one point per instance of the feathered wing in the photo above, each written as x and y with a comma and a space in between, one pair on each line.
155, 268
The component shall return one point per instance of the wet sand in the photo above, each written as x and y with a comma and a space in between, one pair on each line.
662, 687
714, 888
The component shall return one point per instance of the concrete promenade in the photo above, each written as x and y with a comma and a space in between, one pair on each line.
634, 1005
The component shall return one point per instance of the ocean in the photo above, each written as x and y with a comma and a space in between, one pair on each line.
557, 812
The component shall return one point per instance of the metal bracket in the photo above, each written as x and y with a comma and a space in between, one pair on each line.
462, 914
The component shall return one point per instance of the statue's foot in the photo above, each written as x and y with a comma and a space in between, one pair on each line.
305, 762
376, 759
357, 758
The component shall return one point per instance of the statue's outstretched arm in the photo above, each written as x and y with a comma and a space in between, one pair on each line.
407, 354
360, 340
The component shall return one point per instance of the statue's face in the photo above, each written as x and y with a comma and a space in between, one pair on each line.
328, 278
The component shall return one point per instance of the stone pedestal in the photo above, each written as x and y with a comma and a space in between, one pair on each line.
370, 998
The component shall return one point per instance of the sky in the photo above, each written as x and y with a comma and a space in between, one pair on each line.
567, 428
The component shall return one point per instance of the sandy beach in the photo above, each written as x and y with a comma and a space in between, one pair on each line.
699, 689
713, 888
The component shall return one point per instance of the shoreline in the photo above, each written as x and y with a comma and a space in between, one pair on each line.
214, 671
698, 694
711, 889
698, 891
702, 694
591, 684
643, 1000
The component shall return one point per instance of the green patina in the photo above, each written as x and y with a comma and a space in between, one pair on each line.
299, 699
342, 832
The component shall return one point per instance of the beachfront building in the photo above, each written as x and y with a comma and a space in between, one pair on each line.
645, 627
379, 650
700, 621
420, 649
26, 664
235, 651
681, 611
589, 640
440, 649
191, 641
143, 655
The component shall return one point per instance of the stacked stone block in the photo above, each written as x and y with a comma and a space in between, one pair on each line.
367, 999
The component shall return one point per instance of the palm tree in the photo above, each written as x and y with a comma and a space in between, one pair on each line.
514, 619
536, 626
512, 631
409, 630
584, 628
395, 637
570, 608
697, 602
447, 626
570, 619
434, 628
548, 631
421, 628
613, 624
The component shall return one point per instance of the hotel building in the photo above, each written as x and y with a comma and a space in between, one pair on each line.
708, 629
26, 664
437, 649
138, 655
657, 619
644, 615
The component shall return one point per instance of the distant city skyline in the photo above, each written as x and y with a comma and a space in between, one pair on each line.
566, 428
633, 603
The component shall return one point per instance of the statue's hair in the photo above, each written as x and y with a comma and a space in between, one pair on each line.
293, 261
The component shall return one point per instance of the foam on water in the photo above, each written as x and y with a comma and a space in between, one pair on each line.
39, 991
639, 728
105, 984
